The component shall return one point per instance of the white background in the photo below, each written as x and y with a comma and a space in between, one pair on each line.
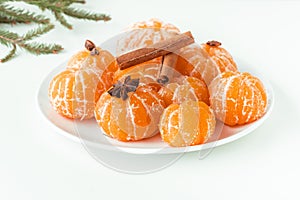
37, 163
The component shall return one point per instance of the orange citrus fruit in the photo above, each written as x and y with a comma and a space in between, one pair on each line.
185, 88
144, 34
132, 119
74, 92
220, 56
186, 124
155, 24
204, 61
237, 98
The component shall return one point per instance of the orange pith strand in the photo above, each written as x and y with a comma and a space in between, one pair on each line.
237, 98
187, 124
185, 88
130, 113
205, 61
74, 92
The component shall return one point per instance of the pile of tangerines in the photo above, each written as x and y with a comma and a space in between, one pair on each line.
129, 105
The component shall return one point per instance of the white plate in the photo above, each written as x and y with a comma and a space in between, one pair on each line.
88, 132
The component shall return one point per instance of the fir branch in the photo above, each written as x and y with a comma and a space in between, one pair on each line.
83, 14
79, 1
59, 17
37, 32
10, 55
11, 39
59, 8
7, 38
68, 2
22, 15
41, 48
10, 20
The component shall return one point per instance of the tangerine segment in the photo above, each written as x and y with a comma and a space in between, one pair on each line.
132, 119
144, 34
74, 92
186, 124
185, 88
204, 62
238, 98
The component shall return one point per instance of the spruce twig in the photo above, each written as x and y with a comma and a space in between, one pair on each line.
59, 8
31, 34
6, 19
41, 48
59, 17
10, 55
11, 39
83, 14
22, 15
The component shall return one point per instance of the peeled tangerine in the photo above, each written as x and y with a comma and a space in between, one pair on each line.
186, 124
204, 61
185, 88
237, 98
144, 34
129, 112
74, 92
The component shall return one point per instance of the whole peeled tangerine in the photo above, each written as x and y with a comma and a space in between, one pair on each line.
205, 61
187, 124
74, 92
129, 111
237, 98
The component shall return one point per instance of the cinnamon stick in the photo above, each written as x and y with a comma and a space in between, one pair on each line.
159, 49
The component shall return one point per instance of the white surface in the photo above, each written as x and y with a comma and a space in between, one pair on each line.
89, 133
37, 163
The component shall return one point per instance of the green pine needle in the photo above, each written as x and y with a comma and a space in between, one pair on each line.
22, 14
10, 55
41, 48
6, 19
9, 39
83, 14
60, 9
31, 34
62, 20
68, 2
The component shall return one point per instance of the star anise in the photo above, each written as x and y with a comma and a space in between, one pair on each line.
90, 46
214, 43
121, 90
163, 80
